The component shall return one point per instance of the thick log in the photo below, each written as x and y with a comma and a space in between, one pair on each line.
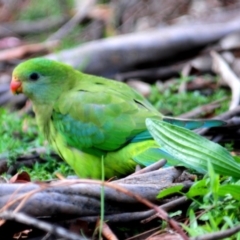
80, 198
109, 56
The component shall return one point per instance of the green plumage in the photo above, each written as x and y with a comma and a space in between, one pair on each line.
86, 117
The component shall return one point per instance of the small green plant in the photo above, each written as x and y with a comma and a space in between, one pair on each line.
215, 204
215, 207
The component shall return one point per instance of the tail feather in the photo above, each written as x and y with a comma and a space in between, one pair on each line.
193, 124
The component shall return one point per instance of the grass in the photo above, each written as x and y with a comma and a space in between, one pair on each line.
19, 135
171, 102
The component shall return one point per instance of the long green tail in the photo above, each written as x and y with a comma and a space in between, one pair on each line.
193, 124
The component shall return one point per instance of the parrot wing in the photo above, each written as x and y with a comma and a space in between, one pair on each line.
99, 121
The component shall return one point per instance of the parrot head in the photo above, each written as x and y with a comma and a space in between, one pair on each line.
40, 78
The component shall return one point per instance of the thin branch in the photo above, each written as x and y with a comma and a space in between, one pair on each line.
106, 231
147, 216
228, 76
203, 109
22, 51
167, 207
224, 116
150, 168
218, 235
30, 221
30, 27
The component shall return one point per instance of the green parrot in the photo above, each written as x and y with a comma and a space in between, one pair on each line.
87, 118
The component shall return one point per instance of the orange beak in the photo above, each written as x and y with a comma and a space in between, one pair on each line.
16, 86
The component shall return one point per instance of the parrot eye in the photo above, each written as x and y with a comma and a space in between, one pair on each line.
34, 76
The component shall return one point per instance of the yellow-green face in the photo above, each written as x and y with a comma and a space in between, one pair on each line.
38, 78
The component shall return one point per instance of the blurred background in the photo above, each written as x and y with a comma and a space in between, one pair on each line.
142, 42
182, 55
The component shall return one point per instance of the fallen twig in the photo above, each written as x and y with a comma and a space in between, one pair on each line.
151, 74
228, 76
229, 114
31, 27
108, 56
143, 235
224, 116
151, 167
107, 232
30, 221
198, 111
144, 216
167, 206
218, 235
22, 51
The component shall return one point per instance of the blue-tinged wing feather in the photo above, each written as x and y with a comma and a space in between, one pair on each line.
193, 124
141, 137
